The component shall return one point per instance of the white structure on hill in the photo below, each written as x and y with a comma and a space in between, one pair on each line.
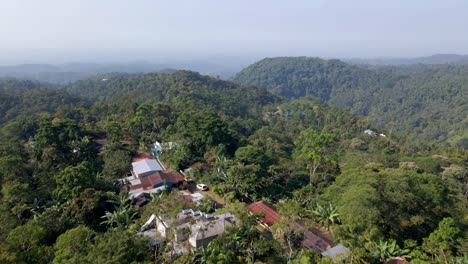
197, 227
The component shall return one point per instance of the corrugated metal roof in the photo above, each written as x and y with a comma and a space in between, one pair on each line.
338, 250
146, 166
271, 216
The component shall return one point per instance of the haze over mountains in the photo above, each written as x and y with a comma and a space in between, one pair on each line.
223, 68
420, 97
433, 59
73, 71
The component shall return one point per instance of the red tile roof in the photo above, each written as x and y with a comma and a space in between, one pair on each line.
271, 216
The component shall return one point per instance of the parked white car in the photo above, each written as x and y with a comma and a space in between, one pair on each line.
202, 187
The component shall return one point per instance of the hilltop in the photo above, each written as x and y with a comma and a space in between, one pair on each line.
422, 101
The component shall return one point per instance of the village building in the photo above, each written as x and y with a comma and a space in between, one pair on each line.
270, 215
149, 176
315, 238
196, 227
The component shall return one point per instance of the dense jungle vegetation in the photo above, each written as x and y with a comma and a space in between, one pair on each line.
427, 103
272, 140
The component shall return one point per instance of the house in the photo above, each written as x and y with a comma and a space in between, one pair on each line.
203, 232
149, 176
315, 238
196, 227
146, 167
270, 215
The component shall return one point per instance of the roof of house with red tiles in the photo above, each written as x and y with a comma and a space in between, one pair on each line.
271, 216
151, 180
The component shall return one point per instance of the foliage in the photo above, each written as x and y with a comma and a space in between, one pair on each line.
60, 200
72, 180
326, 215
387, 250
420, 100
25, 244
315, 148
73, 246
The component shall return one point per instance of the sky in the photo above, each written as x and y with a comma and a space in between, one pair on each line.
56, 31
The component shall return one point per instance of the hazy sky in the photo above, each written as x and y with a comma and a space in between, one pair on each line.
122, 30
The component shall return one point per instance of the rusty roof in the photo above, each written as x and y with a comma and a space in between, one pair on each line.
271, 216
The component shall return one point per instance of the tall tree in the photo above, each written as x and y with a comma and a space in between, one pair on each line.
316, 149
74, 179
73, 246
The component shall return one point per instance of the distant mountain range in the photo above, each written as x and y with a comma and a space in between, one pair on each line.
220, 68
433, 59
70, 72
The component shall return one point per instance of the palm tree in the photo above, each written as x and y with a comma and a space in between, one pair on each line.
122, 216
387, 250
326, 216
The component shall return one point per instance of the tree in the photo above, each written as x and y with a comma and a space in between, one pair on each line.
316, 149
117, 246
91, 205
245, 180
288, 230
72, 180
73, 246
55, 220
253, 155
442, 241
16, 196
201, 130
26, 244
60, 135
326, 215
116, 162
122, 216
114, 131
387, 250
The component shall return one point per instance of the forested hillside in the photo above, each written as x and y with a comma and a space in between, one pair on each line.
426, 102
61, 202
205, 91
28, 99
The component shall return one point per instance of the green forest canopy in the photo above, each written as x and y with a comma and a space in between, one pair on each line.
55, 186
426, 102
